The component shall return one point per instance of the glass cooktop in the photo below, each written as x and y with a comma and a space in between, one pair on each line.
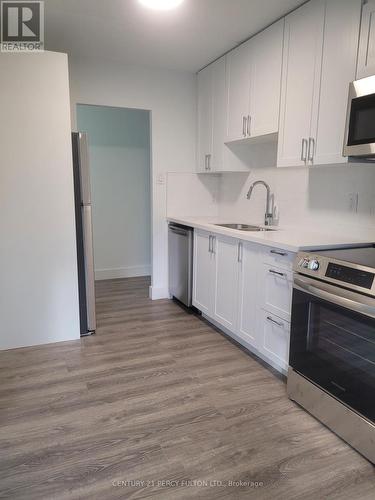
359, 256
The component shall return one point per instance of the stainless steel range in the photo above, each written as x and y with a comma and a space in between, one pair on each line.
332, 345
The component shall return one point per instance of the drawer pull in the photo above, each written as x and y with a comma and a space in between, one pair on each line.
274, 321
276, 272
283, 254
239, 254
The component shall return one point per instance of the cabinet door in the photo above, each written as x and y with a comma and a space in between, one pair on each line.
247, 295
275, 336
366, 54
302, 55
238, 88
341, 32
219, 110
265, 80
226, 255
204, 119
203, 272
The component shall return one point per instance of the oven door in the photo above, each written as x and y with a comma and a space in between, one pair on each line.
360, 123
333, 342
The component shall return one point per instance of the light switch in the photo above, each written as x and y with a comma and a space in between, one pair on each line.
160, 179
353, 202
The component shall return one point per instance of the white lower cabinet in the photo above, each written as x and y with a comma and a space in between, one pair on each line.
274, 333
203, 271
226, 258
247, 293
238, 286
215, 281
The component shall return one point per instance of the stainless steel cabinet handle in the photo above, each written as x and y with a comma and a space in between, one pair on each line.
283, 254
275, 272
239, 254
311, 149
213, 245
304, 150
274, 321
209, 244
244, 126
208, 162
248, 124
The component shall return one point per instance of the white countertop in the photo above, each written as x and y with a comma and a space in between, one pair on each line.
293, 239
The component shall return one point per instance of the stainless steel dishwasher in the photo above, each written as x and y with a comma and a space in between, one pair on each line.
180, 245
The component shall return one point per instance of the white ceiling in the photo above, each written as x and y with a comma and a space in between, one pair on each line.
186, 38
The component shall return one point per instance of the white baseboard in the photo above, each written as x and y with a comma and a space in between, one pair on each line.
157, 293
122, 272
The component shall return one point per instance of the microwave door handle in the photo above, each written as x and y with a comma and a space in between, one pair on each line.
339, 300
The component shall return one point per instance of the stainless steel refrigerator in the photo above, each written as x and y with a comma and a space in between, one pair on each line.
85, 254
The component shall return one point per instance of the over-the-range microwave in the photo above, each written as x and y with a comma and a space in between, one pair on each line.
360, 121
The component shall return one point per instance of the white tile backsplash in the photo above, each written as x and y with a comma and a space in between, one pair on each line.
316, 197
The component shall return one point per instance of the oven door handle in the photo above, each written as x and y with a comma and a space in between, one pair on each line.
339, 299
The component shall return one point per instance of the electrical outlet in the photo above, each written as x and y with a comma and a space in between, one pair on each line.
353, 202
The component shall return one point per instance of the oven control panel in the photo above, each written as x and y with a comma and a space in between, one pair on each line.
335, 272
350, 275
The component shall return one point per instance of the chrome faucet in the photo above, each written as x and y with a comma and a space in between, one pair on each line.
268, 216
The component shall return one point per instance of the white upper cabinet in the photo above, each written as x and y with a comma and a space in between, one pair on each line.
341, 32
366, 54
265, 80
253, 85
204, 118
320, 51
238, 88
292, 79
219, 117
211, 117
303, 41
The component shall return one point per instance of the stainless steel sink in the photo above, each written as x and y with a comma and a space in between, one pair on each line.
245, 227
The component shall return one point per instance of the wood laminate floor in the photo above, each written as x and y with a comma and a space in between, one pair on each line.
160, 396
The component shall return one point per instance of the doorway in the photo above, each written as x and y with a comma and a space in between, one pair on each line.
120, 168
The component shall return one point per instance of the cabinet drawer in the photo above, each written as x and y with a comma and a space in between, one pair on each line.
275, 336
276, 286
278, 257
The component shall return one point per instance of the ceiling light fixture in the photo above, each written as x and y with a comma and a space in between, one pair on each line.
161, 4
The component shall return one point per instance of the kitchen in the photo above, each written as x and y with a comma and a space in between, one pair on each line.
261, 161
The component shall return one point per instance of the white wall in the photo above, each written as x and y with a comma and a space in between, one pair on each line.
171, 97
189, 194
38, 277
119, 147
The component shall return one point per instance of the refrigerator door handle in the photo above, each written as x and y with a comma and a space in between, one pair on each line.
89, 266
83, 152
